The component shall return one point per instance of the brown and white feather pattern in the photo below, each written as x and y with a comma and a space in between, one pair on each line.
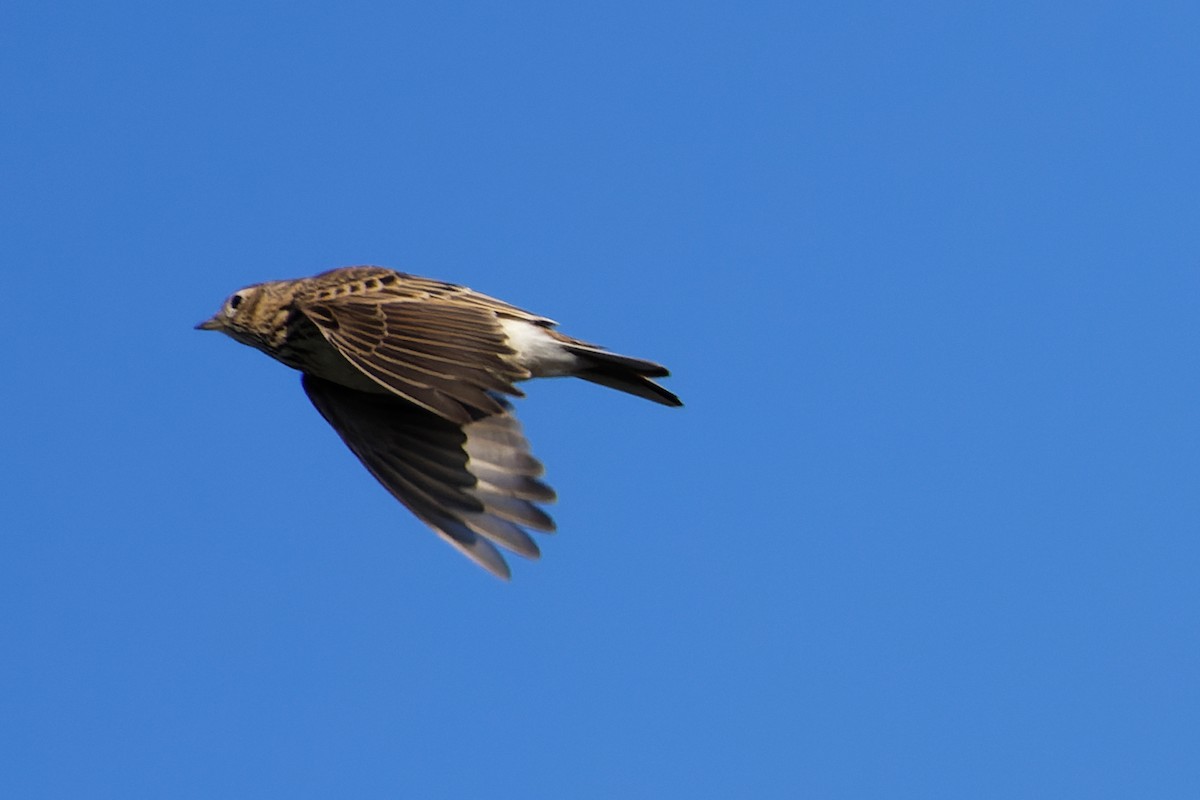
412, 372
474, 484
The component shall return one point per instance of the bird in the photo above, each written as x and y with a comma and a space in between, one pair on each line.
414, 375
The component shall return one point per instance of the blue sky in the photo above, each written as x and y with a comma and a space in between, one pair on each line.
927, 278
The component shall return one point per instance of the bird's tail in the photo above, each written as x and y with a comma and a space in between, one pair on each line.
631, 375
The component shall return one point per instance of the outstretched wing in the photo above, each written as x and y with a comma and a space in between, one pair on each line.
436, 344
442, 357
474, 484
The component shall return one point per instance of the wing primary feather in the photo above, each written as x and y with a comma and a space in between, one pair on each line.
473, 483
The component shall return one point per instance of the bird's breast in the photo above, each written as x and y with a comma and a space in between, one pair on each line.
307, 350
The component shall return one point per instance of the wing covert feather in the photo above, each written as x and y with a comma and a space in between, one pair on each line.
448, 358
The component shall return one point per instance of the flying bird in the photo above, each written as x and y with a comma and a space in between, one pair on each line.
413, 374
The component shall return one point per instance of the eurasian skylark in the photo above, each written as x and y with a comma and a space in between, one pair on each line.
412, 373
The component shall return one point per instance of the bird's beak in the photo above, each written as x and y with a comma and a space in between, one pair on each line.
211, 324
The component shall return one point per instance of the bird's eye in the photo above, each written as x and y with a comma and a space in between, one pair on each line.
235, 301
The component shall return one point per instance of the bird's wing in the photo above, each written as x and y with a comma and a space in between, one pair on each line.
438, 345
474, 484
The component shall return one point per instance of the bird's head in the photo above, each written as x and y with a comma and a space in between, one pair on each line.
247, 315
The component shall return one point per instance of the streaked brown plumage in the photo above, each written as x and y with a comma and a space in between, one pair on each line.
412, 373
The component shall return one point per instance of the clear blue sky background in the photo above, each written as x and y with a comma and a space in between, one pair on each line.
927, 275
